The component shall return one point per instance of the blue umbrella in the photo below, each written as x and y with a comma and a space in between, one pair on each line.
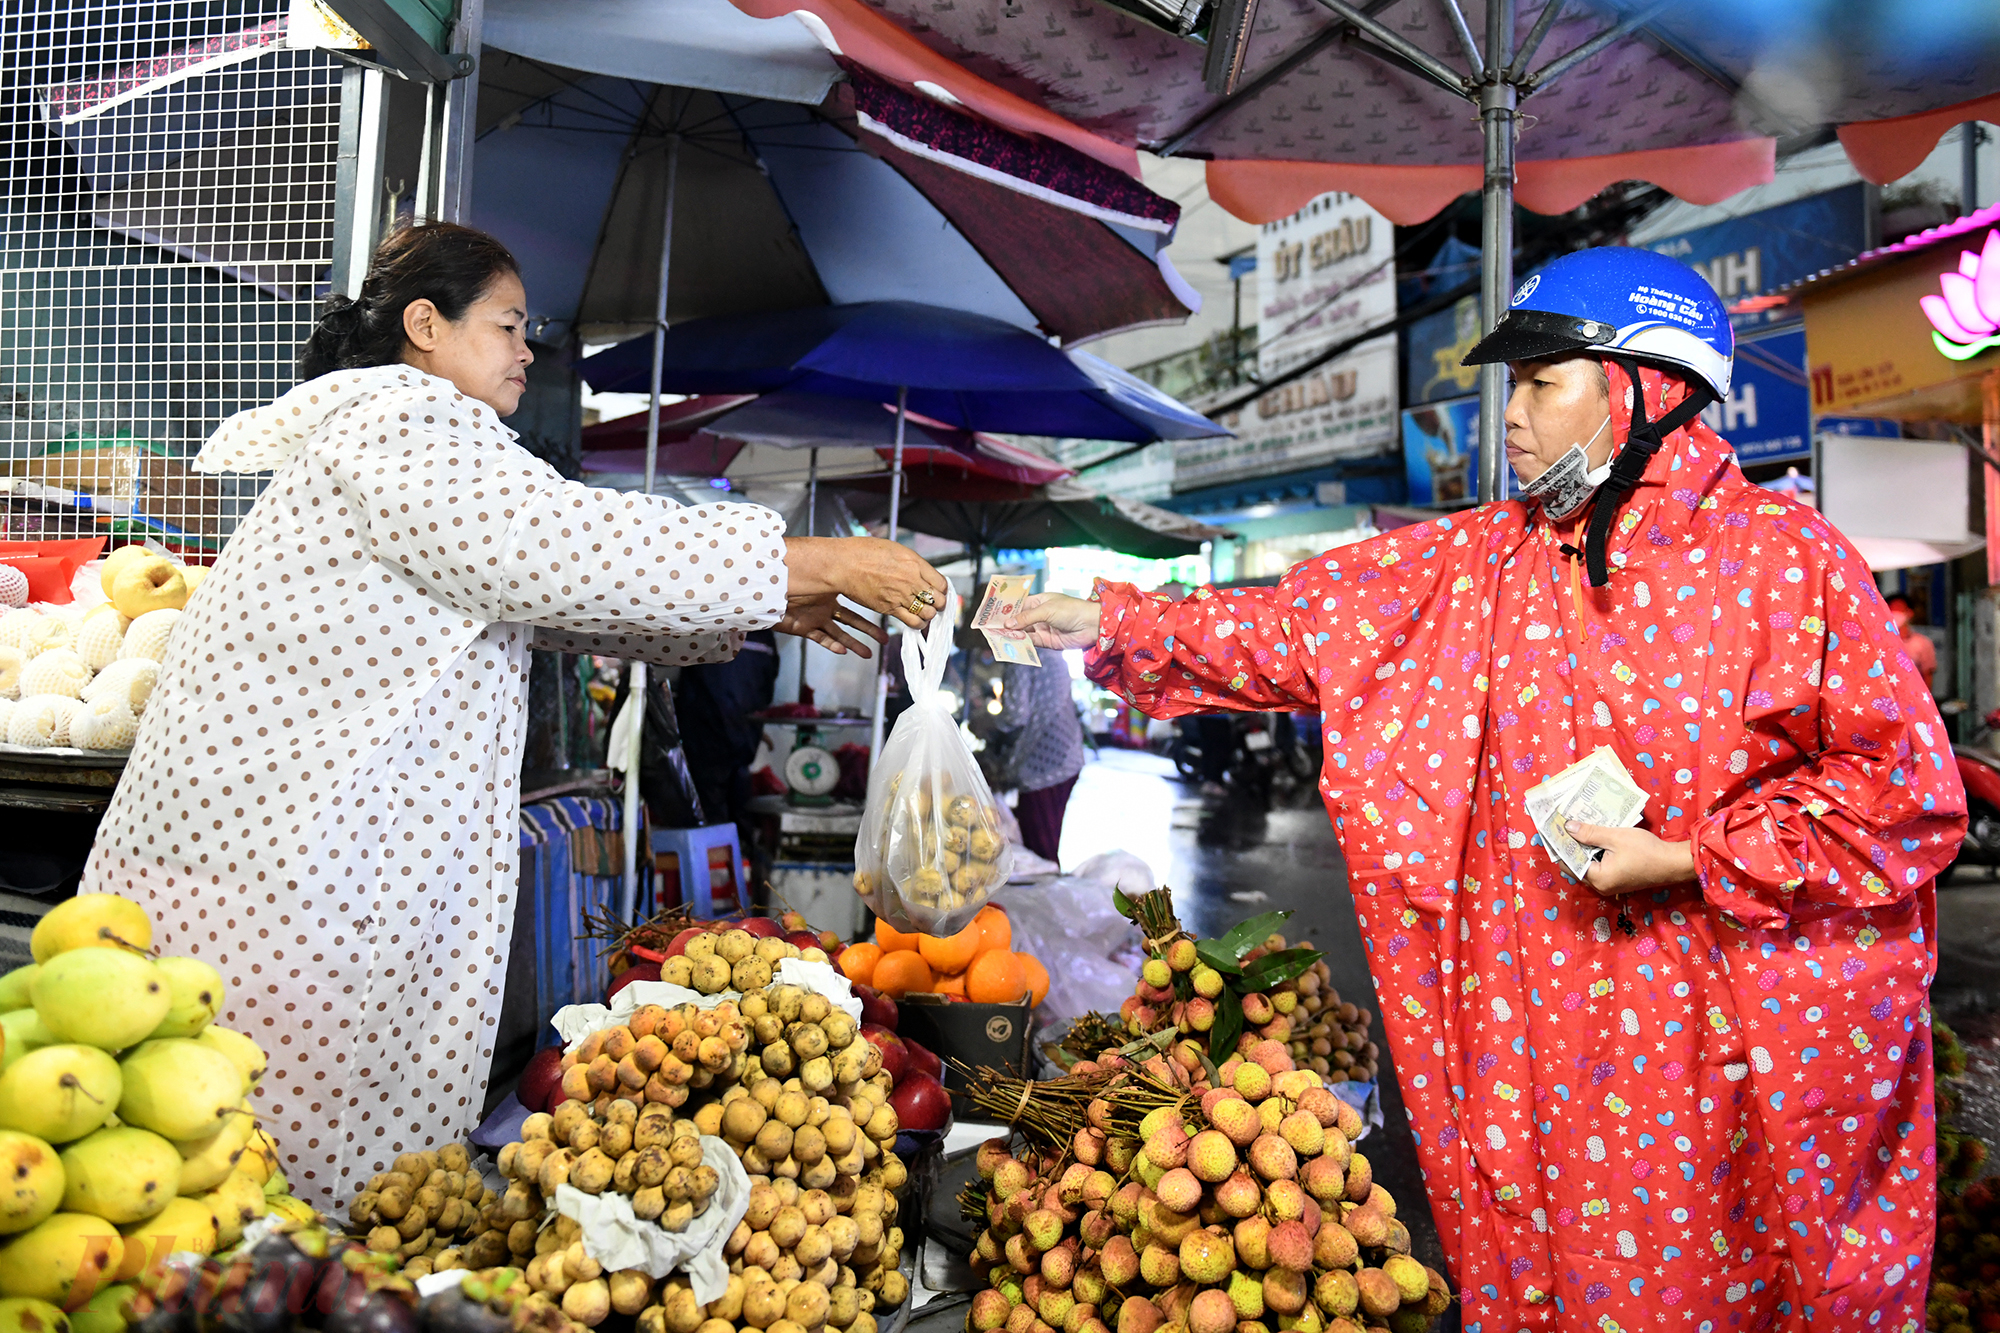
960, 368
964, 369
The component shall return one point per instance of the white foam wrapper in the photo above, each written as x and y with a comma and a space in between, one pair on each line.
577, 1021
618, 1239
430, 1284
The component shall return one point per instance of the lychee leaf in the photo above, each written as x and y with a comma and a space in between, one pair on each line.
1275, 969
1228, 1023
1124, 905
1212, 953
1247, 935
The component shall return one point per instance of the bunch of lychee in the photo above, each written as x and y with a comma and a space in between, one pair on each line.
1329, 1036
1181, 994
1241, 1213
782, 1079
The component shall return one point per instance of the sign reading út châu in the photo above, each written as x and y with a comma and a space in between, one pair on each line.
1323, 275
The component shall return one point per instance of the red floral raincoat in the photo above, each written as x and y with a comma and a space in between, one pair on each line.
1724, 1120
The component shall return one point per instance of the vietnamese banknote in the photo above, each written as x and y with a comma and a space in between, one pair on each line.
1003, 595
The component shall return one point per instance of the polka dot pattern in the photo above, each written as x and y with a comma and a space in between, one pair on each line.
322, 801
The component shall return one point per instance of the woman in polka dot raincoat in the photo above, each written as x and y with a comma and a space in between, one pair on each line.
322, 800
1694, 1093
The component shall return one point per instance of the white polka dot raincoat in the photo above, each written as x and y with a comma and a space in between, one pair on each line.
322, 800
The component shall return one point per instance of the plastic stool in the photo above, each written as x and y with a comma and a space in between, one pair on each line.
690, 847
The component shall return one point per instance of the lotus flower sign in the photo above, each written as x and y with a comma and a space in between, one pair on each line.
1965, 317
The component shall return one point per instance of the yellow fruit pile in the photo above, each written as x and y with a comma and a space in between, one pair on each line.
420, 1206
782, 1079
125, 1123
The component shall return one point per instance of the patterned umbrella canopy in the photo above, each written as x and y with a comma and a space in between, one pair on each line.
1399, 101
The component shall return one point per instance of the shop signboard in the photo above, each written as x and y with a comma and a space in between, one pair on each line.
1763, 251
1441, 453
1767, 418
1323, 275
1437, 343
1873, 348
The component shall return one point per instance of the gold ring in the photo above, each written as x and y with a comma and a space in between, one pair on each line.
916, 607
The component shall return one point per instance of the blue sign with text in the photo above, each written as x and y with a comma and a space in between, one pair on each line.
1754, 255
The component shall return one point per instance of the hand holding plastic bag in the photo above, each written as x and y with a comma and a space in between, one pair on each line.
930, 848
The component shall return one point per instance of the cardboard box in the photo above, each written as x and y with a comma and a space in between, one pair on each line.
978, 1036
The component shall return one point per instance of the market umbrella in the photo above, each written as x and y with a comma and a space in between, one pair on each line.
1288, 100
953, 366
957, 367
986, 514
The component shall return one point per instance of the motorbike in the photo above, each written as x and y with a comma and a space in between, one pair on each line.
1264, 750
1979, 770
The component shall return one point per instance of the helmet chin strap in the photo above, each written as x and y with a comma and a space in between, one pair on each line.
1641, 443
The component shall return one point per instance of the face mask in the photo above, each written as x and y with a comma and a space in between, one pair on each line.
1569, 482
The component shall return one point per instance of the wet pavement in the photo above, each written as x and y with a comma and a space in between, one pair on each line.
1229, 858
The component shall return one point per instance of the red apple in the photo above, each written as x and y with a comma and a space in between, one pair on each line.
541, 1083
895, 1055
804, 939
833, 954
763, 927
679, 944
637, 972
921, 1103
923, 1061
876, 1007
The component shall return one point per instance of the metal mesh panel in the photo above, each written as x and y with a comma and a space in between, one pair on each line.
166, 212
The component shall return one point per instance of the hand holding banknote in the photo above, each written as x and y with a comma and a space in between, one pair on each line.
1633, 859
1588, 817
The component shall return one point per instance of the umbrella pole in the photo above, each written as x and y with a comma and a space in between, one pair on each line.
895, 511
660, 314
628, 897
812, 530
1497, 98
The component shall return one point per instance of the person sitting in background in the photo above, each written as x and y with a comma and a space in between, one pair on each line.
1923, 653
1037, 699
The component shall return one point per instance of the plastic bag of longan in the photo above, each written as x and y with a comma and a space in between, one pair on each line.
930, 851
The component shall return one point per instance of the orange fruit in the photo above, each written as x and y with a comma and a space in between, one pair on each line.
995, 930
901, 971
1038, 977
952, 985
996, 977
950, 953
857, 962
892, 939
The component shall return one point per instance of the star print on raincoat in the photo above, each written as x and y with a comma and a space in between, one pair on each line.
1722, 1121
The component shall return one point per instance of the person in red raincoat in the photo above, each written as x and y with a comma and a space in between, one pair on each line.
1695, 1092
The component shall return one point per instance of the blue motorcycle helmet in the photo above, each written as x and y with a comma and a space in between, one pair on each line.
1629, 306
1615, 300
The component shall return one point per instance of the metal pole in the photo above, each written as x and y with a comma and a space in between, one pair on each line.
1968, 195
629, 901
628, 893
461, 117
1497, 98
364, 128
812, 530
660, 313
895, 511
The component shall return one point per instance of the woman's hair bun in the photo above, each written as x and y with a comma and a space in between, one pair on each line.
441, 262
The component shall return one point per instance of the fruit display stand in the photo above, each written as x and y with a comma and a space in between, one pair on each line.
1196, 1169
127, 1119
